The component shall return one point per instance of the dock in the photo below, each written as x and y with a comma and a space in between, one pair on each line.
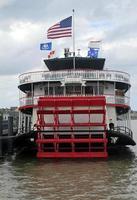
7, 137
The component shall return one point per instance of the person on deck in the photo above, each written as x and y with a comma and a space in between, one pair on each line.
111, 125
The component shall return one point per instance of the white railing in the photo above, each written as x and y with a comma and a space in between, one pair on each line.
85, 75
110, 99
118, 100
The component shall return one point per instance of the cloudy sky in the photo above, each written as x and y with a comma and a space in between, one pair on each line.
23, 26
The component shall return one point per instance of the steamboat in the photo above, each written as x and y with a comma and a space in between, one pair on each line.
76, 112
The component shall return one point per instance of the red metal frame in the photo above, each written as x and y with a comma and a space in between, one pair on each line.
71, 145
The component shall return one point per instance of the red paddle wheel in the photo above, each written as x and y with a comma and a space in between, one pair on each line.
72, 127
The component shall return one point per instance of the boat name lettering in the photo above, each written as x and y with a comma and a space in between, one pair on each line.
92, 75
120, 77
25, 79
96, 75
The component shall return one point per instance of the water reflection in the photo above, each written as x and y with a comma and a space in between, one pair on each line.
25, 178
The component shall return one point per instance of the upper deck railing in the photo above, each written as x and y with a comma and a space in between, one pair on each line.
110, 99
82, 75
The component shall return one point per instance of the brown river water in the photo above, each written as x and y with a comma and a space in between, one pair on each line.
26, 178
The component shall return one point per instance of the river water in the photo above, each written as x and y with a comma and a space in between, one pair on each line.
25, 178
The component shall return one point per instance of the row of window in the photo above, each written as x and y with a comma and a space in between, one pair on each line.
70, 90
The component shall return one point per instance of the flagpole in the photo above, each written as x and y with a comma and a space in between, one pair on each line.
73, 38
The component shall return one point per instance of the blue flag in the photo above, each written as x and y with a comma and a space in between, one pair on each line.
93, 52
46, 46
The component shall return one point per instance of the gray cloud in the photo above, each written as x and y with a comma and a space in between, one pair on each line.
23, 26
5, 3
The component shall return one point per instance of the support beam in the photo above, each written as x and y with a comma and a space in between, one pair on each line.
1, 136
10, 133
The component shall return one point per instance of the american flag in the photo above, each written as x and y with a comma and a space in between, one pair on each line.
61, 29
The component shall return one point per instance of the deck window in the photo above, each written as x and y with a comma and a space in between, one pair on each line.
73, 89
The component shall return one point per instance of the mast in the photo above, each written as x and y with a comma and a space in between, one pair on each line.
73, 38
